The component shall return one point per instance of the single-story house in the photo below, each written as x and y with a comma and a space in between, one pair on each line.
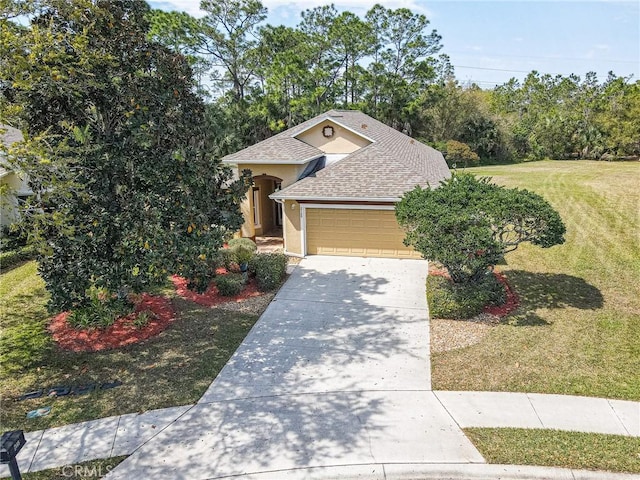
331, 184
14, 186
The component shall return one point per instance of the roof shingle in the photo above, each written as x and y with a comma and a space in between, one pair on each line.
392, 165
279, 148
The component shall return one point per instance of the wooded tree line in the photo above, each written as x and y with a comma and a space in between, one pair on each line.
260, 79
390, 65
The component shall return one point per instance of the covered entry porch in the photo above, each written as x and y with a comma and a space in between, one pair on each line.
265, 214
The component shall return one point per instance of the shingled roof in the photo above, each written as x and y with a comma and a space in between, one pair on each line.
281, 148
383, 170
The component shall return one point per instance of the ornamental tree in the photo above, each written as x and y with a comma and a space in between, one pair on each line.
468, 224
118, 151
460, 153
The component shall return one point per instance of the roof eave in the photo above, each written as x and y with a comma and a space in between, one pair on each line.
275, 196
272, 162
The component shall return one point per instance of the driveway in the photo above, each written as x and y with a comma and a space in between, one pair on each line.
334, 374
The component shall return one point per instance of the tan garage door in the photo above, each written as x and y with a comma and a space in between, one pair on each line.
355, 232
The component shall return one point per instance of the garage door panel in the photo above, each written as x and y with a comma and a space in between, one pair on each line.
355, 232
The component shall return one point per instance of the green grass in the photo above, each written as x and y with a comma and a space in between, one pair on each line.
174, 368
553, 448
578, 328
91, 470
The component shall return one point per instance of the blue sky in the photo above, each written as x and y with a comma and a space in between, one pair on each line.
492, 41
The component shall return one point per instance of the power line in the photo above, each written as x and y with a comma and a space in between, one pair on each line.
548, 58
500, 69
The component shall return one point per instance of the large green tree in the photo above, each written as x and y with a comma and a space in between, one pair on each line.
118, 151
402, 63
228, 36
181, 32
468, 224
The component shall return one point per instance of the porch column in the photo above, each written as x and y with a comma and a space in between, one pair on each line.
248, 229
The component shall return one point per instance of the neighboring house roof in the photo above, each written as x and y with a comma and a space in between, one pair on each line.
384, 170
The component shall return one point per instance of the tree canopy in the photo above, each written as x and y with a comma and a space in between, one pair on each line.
118, 151
390, 64
468, 224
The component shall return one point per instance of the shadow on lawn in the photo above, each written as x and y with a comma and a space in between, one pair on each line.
549, 290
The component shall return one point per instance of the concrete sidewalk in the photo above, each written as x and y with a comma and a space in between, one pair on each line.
535, 410
333, 381
102, 438
123, 435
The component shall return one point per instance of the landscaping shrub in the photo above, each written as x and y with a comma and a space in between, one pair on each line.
247, 242
230, 284
201, 275
243, 254
242, 249
469, 224
10, 258
460, 154
99, 312
269, 269
464, 300
12, 238
224, 258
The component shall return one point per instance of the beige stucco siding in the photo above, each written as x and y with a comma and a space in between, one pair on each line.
355, 232
342, 141
292, 227
288, 174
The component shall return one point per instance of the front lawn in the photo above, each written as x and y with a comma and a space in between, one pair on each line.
553, 448
174, 368
578, 328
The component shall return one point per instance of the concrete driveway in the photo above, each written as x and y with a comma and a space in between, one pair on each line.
334, 374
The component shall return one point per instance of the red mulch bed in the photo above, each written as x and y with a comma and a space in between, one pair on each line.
509, 305
211, 296
500, 311
122, 332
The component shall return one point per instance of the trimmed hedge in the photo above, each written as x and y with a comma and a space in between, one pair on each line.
224, 258
242, 249
245, 242
461, 301
230, 284
269, 269
12, 257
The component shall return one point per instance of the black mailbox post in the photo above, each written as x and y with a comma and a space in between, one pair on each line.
11, 444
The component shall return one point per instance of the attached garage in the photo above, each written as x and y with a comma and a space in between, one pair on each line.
350, 231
